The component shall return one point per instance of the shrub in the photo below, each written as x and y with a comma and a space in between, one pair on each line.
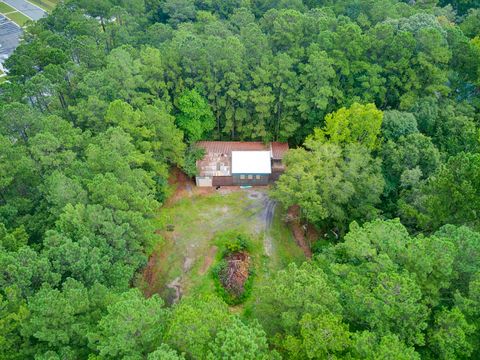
232, 242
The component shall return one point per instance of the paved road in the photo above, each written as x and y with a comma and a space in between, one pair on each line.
27, 8
9, 37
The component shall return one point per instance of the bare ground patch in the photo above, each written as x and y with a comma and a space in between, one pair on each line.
299, 230
208, 260
153, 271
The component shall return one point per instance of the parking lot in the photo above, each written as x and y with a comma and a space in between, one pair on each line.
26, 8
10, 34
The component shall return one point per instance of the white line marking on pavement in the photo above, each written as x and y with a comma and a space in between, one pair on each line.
22, 12
35, 6
16, 11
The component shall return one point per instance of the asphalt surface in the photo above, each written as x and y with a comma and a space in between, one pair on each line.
27, 8
9, 37
10, 33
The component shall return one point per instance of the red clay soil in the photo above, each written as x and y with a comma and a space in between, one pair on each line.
234, 276
184, 186
151, 272
298, 230
179, 178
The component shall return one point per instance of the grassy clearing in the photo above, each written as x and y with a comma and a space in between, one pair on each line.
47, 5
188, 251
194, 222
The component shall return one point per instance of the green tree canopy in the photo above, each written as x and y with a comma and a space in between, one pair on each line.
240, 341
332, 186
194, 324
397, 123
450, 196
59, 321
195, 116
132, 327
359, 124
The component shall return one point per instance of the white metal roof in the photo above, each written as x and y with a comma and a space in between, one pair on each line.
251, 162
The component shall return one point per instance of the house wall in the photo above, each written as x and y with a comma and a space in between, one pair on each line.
222, 181
203, 181
277, 165
236, 180
256, 179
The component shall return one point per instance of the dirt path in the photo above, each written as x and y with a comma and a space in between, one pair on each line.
152, 272
267, 215
208, 260
263, 224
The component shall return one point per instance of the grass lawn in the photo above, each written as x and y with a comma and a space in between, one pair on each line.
13, 14
188, 228
47, 5
4, 8
18, 18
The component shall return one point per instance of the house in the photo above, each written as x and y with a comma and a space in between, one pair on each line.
239, 163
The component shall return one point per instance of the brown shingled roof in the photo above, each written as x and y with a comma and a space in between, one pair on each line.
226, 147
218, 155
278, 150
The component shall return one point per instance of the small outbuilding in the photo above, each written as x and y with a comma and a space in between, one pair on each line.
229, 163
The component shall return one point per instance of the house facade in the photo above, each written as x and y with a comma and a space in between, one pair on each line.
228, 163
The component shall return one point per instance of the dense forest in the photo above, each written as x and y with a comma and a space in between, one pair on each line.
380, 103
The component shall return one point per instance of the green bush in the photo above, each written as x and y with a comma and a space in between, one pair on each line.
191, 156
233, 241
